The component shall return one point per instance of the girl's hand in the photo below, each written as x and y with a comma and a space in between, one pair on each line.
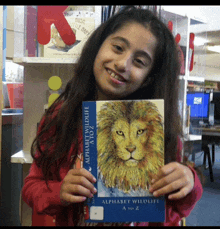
76, 186
173, 177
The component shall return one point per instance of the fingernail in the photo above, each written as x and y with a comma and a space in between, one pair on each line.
151, 189
94, 190
94, 179
155, 193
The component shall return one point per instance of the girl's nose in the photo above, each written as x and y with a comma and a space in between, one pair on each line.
123, 63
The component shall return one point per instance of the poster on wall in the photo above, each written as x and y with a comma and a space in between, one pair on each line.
82, 22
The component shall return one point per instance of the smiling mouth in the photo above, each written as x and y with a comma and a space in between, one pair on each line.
115, 76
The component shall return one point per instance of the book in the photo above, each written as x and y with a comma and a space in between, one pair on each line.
16, 94
30, 28
82, 22
123, 148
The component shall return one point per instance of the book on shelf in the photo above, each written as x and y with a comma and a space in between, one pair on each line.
30, 21
123, 148
15, 94
82, 23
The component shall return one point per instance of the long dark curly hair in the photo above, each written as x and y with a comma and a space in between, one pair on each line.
60, 127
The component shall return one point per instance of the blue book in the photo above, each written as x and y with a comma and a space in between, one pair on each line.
123, 147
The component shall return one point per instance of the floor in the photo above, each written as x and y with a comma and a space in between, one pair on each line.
207, 210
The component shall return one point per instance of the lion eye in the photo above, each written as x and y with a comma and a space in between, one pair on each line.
139, 132
120, 133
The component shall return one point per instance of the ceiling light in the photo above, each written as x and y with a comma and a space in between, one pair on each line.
215, 48
198, 41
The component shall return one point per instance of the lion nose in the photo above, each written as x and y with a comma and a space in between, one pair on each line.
130, 149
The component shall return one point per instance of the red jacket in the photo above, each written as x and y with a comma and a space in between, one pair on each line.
43, 201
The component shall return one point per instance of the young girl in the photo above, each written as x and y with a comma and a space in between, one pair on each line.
133, 55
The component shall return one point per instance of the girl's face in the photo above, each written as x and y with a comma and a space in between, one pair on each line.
124, 61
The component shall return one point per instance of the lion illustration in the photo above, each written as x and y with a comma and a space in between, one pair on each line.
130, 144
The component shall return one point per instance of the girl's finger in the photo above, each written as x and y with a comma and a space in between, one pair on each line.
79, 190
165, 170
164, 181
181, 194
171, 187
74, 199
83, 172
81, 180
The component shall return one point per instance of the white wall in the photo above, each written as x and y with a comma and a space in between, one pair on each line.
206, 14
210, 15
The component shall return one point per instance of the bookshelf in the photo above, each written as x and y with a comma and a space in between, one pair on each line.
25, 61
37, 71
183, 24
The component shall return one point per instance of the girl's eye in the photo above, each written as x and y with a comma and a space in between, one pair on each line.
118, 48
120, 133
140, 62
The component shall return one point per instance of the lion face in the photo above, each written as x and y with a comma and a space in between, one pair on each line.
130, 144
130, 140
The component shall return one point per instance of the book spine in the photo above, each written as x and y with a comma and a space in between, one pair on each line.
89, 145
90, 137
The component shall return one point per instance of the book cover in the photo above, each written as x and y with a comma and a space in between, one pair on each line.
82, 21
123, 147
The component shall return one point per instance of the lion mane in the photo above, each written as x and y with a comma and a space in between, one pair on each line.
130, 142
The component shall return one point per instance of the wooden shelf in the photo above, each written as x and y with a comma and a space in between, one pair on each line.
192, 137
22, 157
192, 78
42, 60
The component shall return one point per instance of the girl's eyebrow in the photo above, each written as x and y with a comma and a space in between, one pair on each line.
140, 52
123, 39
